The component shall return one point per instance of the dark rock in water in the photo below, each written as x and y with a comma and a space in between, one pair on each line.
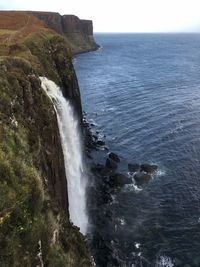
133, 167
142, 178
99, 169
111, 164
99, 166
89, 155
86, 124
114, 157
100, 143
149, 168
121, 179
94, 137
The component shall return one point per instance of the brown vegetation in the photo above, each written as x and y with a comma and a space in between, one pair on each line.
14, 26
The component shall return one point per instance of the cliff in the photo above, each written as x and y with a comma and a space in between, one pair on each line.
78, 33
34, 222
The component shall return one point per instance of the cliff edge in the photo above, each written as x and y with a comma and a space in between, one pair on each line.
78, 32
35, 229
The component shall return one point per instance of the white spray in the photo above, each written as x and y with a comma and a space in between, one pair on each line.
72, 150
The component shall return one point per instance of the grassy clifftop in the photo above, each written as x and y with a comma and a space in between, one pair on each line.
34, 223
78, 33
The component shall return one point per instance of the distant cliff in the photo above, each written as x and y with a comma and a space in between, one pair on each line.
78, 32
35, 229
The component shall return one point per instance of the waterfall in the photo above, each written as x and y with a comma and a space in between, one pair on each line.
72, 150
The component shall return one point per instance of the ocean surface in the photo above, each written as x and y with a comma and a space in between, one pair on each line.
143, 93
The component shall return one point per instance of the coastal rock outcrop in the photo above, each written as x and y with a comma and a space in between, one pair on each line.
78, 32
142, 178
121, 179
114, 157
148, 168
133, 167
111, 164
112, 161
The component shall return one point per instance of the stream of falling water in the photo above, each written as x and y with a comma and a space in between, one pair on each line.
72, 150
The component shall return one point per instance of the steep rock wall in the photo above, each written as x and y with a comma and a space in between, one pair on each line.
78, 33
34, 224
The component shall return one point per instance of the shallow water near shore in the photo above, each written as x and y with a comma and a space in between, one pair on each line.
143, 93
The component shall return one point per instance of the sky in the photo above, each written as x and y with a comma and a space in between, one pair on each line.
122, 15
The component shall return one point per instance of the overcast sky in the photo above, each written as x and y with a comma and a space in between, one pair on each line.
123, 15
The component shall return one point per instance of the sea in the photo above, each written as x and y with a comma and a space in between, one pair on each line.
142, 93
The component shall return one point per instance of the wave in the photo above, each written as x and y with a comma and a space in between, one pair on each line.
164, 261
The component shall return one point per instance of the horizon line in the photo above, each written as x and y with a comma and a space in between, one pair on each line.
188, 32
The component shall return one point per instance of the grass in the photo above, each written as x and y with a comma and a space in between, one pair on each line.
21, 200
7, 31
29, 149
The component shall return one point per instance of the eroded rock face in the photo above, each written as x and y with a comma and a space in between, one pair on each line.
72, 23
52, 20
31, 160
79, 33
50, 159
114, 157
142, 178
28, 121
111, 164
121, 179
133, 167
148, 168
39, 118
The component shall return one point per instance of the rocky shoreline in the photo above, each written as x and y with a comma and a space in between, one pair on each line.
106, 180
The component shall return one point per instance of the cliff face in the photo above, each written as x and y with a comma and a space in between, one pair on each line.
34, 223
78, 33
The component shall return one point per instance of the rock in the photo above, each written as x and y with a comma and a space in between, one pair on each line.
111, 164
148, 168
94, 137
86, 124
100, 143
89, 155
133, 167
99, 169
142, 178
121, 179
114, 157
68, 26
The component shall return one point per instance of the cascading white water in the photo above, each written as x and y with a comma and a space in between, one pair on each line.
72, 150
